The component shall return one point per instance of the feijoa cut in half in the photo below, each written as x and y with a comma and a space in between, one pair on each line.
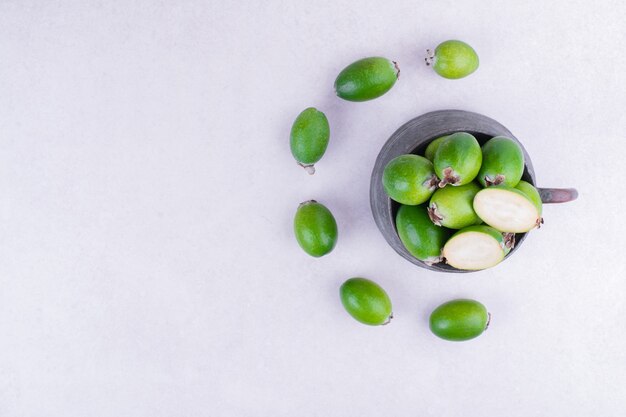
475, 247
453, 59
507, 209
366, 301
366, 79
432, 148
409, 179
452, 207
419, 235
528, 189
503, 162
458, 159
459, 320
309, 138
315, 228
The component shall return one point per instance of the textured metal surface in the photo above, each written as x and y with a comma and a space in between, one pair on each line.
413, 137
557, 195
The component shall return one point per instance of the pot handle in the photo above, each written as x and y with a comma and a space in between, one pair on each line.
557, 195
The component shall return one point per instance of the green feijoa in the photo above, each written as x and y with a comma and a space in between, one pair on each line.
475, 247
459, 320
315, 228
452, 207
507, 209
419, 235
503, 162
409, 179
458, 159
366, 301
366, 79
453, 59
509, 241
309, 138
432, 148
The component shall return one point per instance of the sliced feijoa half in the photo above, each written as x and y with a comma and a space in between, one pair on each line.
409, 179
474, 248
459, 320
419, 235
452, 206
507, 209
309, 138
457, 159
503, 162
528, 189
315, 228
366, 301
432, 148
366, 79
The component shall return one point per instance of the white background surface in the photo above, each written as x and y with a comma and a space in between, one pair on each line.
147, 191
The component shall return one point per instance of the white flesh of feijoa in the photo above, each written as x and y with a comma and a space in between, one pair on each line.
505, 210
473, 251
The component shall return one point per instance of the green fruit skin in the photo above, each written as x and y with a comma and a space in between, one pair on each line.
502, 156
315, 228
455, 205
432, 148
487, 230
455, 59
461, 152
459, 320
532, 193
310, 134
366, 79
420, 236
407, 179
366, 301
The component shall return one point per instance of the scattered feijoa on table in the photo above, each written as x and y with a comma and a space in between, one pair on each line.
419, 235
452, 207
309, 138
409, 179
366, 301
503, 162
453, 59
475, 247
366, 79
458, 159
432, 148
315, 228
507, 209
459, 320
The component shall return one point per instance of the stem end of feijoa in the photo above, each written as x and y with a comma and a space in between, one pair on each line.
395, 64
309, 168
497, 180
509, 240
449, 177
539, 223
431, 183
434, 214
304, 203
388, 320
430, 57
433, 260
